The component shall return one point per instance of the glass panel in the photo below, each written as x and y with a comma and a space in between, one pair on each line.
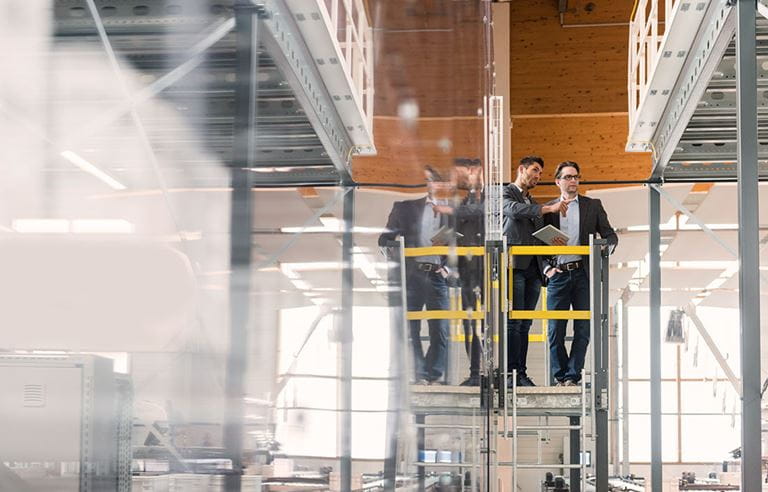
640, 438
640, 395
639, 341
710, 438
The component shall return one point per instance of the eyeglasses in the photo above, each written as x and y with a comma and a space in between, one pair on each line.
570, 177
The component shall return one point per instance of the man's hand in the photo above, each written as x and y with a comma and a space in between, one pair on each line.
558, 241
552, 271
443, 209
560, 207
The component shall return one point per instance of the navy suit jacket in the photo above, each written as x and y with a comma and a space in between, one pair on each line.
592, 220
405, 220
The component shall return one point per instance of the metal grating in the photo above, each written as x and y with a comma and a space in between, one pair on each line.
299, 138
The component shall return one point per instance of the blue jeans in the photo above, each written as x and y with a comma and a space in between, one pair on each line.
431, 290
564, 291
526, 287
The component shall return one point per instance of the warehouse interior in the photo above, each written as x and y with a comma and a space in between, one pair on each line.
196, 295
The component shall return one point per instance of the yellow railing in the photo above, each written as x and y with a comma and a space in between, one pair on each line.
549, 251
478, 314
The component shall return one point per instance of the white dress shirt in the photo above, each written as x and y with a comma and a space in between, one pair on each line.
570, 225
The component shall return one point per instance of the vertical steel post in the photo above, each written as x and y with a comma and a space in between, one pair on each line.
347, 304
624, 324
574, 444
654, 277
613, 386
397, 363
600, 370
241, 225
749, 260
420, 443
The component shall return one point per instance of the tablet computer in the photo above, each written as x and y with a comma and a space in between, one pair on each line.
548, 233
443, 236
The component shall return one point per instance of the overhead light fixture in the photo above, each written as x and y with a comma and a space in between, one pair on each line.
77, 226
92, 170
40, 226
101, 226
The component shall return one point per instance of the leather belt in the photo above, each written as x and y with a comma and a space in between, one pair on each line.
571, 265
428, 267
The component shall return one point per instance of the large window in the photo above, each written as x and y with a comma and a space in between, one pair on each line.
700, 409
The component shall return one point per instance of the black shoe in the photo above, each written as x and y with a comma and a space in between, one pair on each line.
471, 381
524, 380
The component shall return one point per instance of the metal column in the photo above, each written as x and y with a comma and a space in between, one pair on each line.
398, 395
749, 276
624, 327
347, 283
241, 225
613, 389
575, 452
600, 360
654, 278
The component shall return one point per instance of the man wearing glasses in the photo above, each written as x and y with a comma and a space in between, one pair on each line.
568, 284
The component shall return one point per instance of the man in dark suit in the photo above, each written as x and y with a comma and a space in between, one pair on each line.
417, 221
469, 219
522, 217
568, 275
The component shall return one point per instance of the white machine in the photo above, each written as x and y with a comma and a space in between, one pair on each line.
71, 413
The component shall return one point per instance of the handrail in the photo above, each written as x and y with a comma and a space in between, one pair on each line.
646, 34
445, 250
354, 36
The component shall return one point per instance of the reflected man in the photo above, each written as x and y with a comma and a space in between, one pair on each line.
417, 221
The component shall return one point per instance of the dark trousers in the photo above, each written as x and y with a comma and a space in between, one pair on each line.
564, 291
431, 290
526, 288
473, 329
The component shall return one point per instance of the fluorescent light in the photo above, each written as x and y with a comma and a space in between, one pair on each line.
301, 284
91, 169
37, 226
331, 223
77, 226
334, 229
101, 226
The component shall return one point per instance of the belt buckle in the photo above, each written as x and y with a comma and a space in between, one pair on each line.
426, 267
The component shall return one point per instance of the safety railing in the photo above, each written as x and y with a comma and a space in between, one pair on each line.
354, 36
545, 251
646, 33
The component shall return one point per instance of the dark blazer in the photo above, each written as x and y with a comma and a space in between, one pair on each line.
405, 220
592, 220
520, 221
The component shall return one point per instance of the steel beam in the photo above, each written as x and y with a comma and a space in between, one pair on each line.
575, 454
241, 224
749, 259
613, 387
654, 277
624, 328
347, 306
598, 284
711, 42
283, 40
690, 310
398, 364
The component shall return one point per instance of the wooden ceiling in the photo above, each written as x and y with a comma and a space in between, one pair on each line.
567, 97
